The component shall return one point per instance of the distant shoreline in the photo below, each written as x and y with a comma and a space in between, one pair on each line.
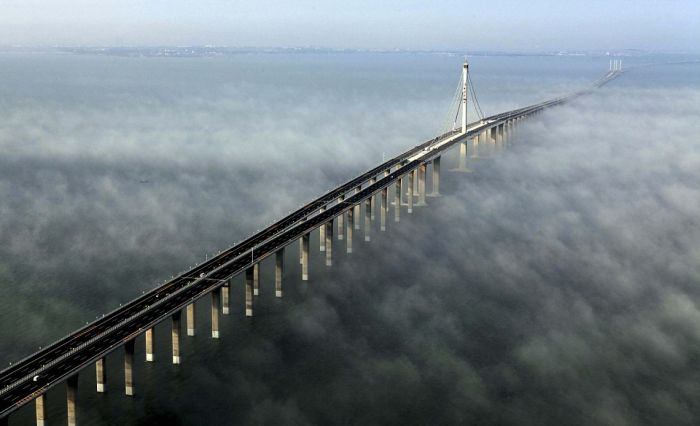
216, 51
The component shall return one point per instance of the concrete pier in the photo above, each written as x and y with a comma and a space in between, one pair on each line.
383, 208
322, 234
329, 242
415, 184
72, 400
462, 165
368, 214
502, 128
349, 228
371, 200
305, 262
357, 211
149, 345
411, 179
397, 200
249, 292
422, 171
40, 409
225, 291
514, 128
100, 375
175, 336
256, 279
129, 367
301, 251
436, 178
485, 142
341, 220
475, 147
191, 319
463, 155
279, 271
215, 303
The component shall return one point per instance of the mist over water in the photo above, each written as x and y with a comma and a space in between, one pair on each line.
555, 284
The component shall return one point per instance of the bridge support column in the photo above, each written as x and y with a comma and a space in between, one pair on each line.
463, 154
256, 279
411, 178
422, 171
357, 212
371, 199
149, 345
175, 336
215, 303
368, 214
397, 199
383, 208
322, 234
413, 186
329, 243
225, 291
341, 220
351, 218
305, 263
279, 271
71, 399
190, 319
499, 137
485, 138
249, 292
40, 403
100, 375
129, 367
436, 178
301, 251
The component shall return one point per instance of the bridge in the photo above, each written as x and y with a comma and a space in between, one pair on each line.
339, 211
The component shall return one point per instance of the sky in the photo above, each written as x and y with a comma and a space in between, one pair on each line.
503, 25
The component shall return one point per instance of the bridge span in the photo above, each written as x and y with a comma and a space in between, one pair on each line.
336, 212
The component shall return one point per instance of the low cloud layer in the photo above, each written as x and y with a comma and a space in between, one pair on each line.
555, 284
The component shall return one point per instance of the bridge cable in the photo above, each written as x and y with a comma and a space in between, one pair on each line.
480, 112
477, 107
449, 123
455, 106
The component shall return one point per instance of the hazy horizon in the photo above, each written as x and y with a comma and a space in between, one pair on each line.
670, 26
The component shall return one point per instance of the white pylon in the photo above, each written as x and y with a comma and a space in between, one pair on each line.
465, 72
